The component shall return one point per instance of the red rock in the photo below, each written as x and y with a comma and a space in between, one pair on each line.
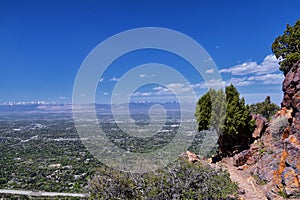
261, 125
241, 158
290, 181
190, 156
285, 112
278, 162
251, 161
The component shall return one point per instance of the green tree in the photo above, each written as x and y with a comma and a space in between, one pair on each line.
203, 111
210, 110
229, 116
265, 108
287, 47
238, 125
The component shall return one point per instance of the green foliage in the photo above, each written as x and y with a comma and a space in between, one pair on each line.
181, 180
238, 125
218, 110
203, 112
2, 180
265, 108
25, 165
229, 116
282, 193
262, 151
258, 180
210, 110
287, 47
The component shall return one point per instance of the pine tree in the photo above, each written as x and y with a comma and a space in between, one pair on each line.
203, 112
287, 47
238, 125
265, 108
210, 111
229, 116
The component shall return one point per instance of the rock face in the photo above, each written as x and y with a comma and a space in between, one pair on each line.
261, 124
276, 161
278, 165
291, 88
241, 158
289, 173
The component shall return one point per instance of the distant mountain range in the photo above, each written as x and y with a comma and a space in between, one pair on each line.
41, 106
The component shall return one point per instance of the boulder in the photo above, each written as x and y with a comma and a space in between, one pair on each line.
285, 112
241, 158
261, 124
190, 156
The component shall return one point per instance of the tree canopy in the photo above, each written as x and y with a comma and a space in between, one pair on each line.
287, 47
229, 116
210, 110
265, 108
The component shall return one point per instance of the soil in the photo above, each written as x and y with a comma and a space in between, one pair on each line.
248, 188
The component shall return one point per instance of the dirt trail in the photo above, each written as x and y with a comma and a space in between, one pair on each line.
246, 182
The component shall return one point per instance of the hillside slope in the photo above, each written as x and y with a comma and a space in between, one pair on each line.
273, 160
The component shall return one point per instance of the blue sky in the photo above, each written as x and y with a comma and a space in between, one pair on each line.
43, 43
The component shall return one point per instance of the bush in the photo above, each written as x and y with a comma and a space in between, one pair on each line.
182, 180
278, 125
2, 180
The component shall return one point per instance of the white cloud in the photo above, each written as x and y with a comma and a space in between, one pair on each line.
162, 91
146, 94
240, 81
268, 65
146, 75
210, 71
268, 78
62, 97
252, 73
101, 79
213, 83
114, 79
143, 94
177, 88
105, 93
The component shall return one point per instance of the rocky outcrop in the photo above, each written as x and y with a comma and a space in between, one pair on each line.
291, 88
241, 158
275, 161
261, 124
249, 156
190, 156
288, 172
